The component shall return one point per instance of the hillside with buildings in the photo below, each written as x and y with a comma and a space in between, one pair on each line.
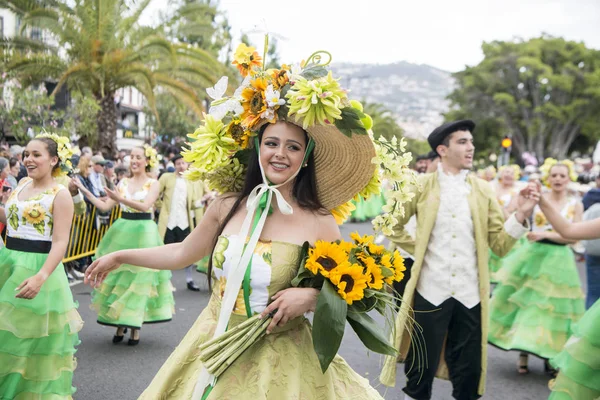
415, 94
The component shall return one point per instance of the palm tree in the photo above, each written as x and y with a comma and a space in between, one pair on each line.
100, 48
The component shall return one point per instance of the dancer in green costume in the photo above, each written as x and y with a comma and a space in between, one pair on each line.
539, 296
579, 361
293, 189
38, 317
132, 296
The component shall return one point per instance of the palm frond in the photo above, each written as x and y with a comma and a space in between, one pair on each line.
126, 24
22, 43
45, 18
36, 67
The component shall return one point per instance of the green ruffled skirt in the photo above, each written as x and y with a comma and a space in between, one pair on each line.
537, 300
579, 362
37, 336
131, 296
495, 262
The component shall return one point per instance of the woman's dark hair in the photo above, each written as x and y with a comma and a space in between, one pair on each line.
52, 148
304, 190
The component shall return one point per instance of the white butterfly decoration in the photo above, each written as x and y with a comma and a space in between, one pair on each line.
220, 105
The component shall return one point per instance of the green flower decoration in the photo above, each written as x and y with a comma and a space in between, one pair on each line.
211, 147
316, 101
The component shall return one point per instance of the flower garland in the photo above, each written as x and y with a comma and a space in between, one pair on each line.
151, 156
551, 162
64, 151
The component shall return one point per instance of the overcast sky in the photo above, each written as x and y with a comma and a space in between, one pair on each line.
443, 33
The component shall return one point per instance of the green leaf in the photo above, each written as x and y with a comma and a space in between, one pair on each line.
40, 227
370, 333
243, 155
314, 72
350, 122
366, 304
328, 324
14, 221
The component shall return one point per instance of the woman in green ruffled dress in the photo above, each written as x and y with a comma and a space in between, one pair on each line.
39, 323
579, 361
539, 297
133, 295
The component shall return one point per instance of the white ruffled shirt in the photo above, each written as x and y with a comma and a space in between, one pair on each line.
450, 263
178, 217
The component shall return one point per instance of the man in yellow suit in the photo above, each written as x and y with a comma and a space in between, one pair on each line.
182, 208
458, 219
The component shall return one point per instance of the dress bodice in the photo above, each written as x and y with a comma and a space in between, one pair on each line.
506, 198
540, 223
140, 195
31, 218
274, 265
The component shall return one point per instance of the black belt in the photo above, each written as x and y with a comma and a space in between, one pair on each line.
29, 246
548, 241
136, 216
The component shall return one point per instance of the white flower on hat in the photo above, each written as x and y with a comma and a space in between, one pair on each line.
220, 105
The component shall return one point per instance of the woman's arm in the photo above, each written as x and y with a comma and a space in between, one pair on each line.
146, 206
96, 202
197, 245
63, 216
572, 231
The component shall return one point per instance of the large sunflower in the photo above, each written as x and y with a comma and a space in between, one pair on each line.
254, 102
362, 240
237, 132
326, 257
399, 267
350, 281
34, 214
540, 220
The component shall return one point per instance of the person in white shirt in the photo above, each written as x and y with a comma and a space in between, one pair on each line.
458, 219
181, 208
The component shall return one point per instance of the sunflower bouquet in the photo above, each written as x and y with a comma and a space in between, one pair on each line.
354, 278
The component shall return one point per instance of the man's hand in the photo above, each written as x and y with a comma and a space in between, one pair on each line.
73, 189
528, 198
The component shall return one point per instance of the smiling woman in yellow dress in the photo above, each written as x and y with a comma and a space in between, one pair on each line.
299, 167
38, 317
132, 296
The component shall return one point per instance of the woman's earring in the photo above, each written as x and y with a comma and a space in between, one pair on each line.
305, 165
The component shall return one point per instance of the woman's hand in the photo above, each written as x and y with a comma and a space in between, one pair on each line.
536, 236
30, 287
113, 194
290, 303
99, 269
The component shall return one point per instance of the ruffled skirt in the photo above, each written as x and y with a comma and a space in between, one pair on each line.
282, 365
537, 301
37, 336
579, 362
131, 296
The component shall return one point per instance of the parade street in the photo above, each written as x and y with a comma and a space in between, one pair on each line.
109, 371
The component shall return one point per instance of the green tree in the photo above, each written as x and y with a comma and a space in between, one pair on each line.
545, 92
104, 48
176, 120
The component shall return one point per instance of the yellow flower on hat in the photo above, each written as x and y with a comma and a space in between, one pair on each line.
326, 257
245, 58
350, 282
151, 155
254, 102
316, 101
236, 131
551, 162
342, 212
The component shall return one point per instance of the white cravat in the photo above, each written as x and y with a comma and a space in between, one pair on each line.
178, 216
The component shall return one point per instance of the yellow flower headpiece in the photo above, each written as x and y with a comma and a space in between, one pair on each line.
551, 162
64, 150
308, 95
152, 156
516, 169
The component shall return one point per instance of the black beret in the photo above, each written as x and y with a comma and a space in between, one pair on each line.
441, 132
422, 157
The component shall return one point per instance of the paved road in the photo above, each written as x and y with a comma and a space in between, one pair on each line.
106, 371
